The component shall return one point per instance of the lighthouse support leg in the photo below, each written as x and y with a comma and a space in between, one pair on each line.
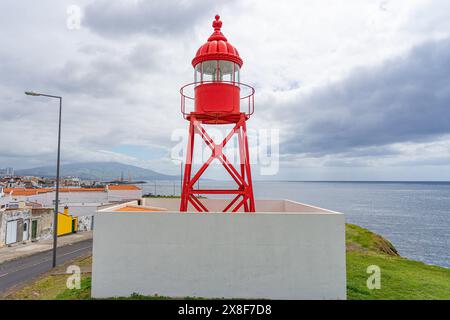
248, 170
244, 192
188, 167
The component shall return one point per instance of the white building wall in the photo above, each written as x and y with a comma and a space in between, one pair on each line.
13, 215
46, 199
125, 194
81, 204
86, 197
274, 255
80, 198
4, 200
218, 205
85, 209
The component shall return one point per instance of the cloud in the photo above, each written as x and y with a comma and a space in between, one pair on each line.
405, 99
119, 18
356, 83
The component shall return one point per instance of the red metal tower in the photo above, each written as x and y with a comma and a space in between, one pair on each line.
217, 101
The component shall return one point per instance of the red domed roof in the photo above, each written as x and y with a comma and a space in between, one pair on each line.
217, 47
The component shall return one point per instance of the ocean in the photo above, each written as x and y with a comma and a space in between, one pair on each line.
414, 216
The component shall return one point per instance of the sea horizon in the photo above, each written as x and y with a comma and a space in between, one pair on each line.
413, 215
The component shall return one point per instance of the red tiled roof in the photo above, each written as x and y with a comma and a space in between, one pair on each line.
136, 209
81, 189
26, 191
123, 187
32, 192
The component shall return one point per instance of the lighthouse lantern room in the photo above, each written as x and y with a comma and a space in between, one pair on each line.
219, 98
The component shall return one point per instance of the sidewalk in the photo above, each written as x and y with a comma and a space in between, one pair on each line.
23, 250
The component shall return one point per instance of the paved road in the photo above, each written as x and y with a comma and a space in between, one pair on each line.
15, 272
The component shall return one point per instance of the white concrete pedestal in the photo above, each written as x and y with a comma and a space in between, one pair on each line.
292, 251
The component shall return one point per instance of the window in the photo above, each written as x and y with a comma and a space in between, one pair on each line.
216, 70
225, 70
198, 73
209, 70
236, 73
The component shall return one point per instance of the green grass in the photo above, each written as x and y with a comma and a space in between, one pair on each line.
45, 288
52, 285
363, 240
84, 293
400, 278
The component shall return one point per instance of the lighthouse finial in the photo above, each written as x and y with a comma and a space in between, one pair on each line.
217, 24
217, 34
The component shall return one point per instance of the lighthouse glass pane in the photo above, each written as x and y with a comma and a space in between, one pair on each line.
225, 70
198, 73
209, 70
236, 73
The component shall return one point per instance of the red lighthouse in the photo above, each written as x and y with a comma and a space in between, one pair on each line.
219, 98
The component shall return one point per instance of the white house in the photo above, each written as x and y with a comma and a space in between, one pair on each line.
82, 202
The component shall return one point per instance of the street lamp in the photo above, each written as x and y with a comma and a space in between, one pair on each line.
55, 217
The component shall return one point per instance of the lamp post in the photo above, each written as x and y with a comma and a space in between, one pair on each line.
55, 217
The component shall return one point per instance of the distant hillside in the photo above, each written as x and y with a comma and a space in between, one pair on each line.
98, 171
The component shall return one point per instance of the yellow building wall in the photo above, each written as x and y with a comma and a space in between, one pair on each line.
65, 223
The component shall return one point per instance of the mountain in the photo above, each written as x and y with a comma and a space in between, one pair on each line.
97, 171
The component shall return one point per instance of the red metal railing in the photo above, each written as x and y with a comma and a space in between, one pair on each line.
247, 95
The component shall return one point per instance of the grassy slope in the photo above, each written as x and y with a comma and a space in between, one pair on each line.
400, 278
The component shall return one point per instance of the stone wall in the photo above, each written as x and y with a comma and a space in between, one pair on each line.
44, 216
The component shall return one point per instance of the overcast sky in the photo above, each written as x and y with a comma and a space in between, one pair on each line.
360, 90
